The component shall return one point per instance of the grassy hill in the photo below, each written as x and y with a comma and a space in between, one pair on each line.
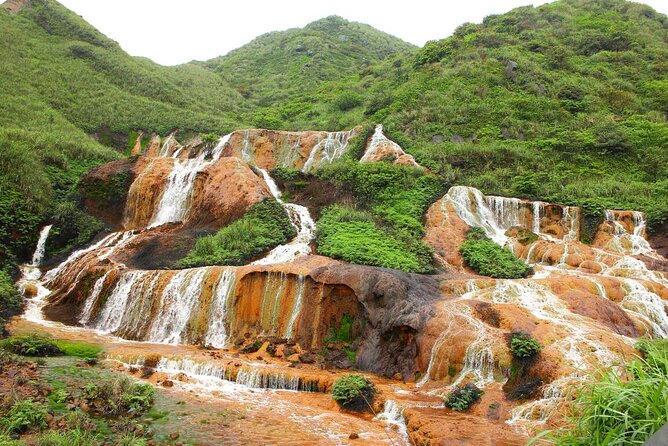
566, 102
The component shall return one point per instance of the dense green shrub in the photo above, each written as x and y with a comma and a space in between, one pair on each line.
352, 235
23, 416
10, 300
120, 396
353, 392
264, 226
463, 397
32, 345
620, 409
523, 345
489, 259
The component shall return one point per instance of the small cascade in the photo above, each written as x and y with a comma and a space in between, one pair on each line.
506, 210
217, 334
647, 306
247, 149
177, 197
471, 206
333, 147
479, 363
177, 302
381, 147
116, 305
571, 218
87, 311
106, 242
301, 220
393, 415
270, 308
38, 255
536, 209
166, 146
296, 307
631, 243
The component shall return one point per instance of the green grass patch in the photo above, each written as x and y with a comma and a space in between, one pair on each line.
265, 226
620, 409
489, 259
463, 397
353, 392
78, 349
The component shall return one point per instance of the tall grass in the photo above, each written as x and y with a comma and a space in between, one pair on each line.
622, 408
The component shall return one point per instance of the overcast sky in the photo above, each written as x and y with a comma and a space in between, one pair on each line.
177, 31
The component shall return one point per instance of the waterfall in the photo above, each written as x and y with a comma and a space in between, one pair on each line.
631, 243
333, 147
217, 334
177, 197
393, 414
471, 206
646, 305
536, 208
296, 307
377, 139
176, 304
301, 220
87, 311
271, 303
107, 241
41, 244
506, 211
111, 315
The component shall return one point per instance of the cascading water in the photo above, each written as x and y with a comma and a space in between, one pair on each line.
631, 243
471, 206
393, 415
87, 311
111, 315
41, 244
296, 307
301, 220
177, 302
177, 197
217, 334
333, 147
377, 140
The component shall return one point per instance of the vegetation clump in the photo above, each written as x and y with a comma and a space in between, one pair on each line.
10, 299
265, 226
489, 259
523, 345
120, 396
32, 345
23, 416
353, 392
621, 409
463, 397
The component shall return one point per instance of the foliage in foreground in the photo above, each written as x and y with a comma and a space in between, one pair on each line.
32, 345
120, 396
10, 299
265, 226
353, 392
489, 259
463, 397
621, 409
523, 345
23, 416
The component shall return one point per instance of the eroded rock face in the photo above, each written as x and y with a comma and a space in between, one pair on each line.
15, 6
105, 189
380, 148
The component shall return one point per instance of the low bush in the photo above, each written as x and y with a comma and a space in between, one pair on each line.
23, 416
523, 345
32, 345
353, 392
74, 437
265, 226
7, 441
120, 396
10, 300
489, 259
463, 397
620, 409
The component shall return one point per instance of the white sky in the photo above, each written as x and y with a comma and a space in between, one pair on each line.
177, 31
